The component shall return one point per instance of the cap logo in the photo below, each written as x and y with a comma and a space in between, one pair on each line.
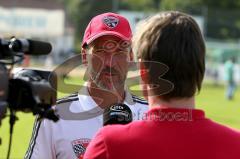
110, 21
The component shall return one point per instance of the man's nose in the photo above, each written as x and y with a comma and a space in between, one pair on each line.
109, 60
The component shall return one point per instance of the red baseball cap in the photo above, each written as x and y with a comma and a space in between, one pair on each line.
107, 24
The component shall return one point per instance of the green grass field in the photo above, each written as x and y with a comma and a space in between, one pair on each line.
211, 99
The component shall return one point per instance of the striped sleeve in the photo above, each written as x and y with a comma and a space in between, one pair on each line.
139, 100
32, 143
72, 97
41, 144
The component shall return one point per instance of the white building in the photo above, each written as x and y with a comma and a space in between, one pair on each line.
37, 19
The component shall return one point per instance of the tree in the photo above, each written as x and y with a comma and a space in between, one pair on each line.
81, 12
139, 5
222, 16
180, 4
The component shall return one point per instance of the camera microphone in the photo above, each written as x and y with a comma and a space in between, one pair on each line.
117, 114
30, 47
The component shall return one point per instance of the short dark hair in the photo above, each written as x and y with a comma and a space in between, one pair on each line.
174, 39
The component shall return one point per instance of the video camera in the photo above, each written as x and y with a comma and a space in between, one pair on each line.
27, 90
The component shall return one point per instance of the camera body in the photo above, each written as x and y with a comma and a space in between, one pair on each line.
27, 90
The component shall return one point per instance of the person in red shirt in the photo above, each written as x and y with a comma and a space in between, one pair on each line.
171, 51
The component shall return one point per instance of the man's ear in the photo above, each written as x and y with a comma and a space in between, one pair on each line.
144, 72
144, 79
84, 56
131, 56
131, 59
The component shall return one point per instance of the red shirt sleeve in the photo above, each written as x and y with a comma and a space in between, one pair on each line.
97, 148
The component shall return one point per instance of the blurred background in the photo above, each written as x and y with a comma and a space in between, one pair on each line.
62, 23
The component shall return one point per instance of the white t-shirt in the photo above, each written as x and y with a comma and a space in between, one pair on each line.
68, 138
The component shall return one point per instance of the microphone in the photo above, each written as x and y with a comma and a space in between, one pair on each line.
30, 47
117, 114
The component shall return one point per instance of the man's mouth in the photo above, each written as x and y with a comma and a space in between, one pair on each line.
109, 74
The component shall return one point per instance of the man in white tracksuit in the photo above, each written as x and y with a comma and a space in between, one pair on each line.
106, 50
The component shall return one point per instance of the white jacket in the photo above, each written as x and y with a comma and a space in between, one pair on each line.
68, 138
